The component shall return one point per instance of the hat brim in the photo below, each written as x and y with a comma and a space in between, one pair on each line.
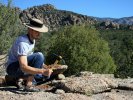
42, 29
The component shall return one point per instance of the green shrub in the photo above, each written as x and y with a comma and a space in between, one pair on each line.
82, 49
10, 26
121, 47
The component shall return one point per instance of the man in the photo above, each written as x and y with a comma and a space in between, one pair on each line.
22, 62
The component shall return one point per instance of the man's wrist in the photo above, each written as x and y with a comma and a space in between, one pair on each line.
42, 71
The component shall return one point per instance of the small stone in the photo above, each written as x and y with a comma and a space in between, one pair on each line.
86, 73
55, 81
59, 91
61, 77
62, 81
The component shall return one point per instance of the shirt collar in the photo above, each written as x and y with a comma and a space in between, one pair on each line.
30, 39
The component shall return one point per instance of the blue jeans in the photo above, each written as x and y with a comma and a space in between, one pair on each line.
35, 60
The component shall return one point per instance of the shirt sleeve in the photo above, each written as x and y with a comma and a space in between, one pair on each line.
22, 49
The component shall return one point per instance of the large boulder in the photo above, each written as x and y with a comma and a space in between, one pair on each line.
87, 84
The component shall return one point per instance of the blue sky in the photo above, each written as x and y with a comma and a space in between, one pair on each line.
96, 8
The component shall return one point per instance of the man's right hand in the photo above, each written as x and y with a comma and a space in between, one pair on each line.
47, 72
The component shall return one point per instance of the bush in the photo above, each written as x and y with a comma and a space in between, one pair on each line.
82, 50
121, 47
9, 26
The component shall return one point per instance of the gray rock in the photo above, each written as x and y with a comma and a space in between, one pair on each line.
61, 77
59, 91
87, 85
53, 17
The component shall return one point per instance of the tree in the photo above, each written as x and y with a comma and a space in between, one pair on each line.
82, 49
9, 26
121, 47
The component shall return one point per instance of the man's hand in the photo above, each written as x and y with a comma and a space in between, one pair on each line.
47, 72
31, 70
52, 66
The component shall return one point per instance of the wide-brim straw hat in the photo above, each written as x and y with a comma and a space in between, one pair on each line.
36, 25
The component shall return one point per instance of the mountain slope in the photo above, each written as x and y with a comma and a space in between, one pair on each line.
124, 20
55, 18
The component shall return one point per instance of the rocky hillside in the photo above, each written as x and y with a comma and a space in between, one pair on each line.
124, 20
53, 17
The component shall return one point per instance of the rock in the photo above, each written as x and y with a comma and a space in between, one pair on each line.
61, 77
45, 87
126, 84
2, 81
59, 91
86, 73
87, 83
110, 96
74, 96
111, 83
85, 86
55, 18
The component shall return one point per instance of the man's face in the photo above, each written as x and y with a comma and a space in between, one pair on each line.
35, 34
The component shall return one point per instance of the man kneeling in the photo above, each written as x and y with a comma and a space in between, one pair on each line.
22, 62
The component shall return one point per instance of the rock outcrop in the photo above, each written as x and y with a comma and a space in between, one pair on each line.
53, 17
86, 86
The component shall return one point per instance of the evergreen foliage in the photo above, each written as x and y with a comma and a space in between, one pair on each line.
121, 45
43, 44
82, 49
9, 26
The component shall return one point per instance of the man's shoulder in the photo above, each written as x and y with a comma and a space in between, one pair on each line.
22, 38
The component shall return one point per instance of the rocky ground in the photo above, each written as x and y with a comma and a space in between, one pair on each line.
84, 86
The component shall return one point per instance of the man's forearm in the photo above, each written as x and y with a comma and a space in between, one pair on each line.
31, 70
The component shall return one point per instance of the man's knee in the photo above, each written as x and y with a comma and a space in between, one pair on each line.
40, 56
